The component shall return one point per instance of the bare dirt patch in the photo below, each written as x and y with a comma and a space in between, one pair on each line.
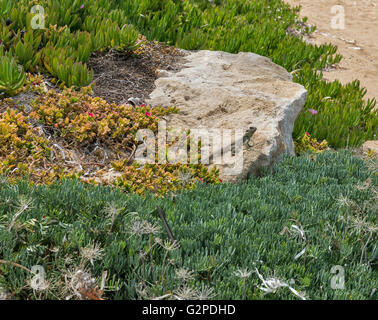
119, 77
357, 42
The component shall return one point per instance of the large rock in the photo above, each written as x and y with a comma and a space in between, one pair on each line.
219, 90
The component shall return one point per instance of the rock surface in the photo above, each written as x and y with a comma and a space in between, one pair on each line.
371, 147
219, 90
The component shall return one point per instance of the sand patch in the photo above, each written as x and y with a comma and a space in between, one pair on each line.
357, 42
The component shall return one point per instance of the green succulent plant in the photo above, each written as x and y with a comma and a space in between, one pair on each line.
12, 75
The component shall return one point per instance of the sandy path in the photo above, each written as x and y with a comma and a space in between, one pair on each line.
357, 42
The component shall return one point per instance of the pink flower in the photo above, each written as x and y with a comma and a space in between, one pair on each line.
82, 6
143, 105
313, 111
90, 114
307, 134
201, 179
148, 114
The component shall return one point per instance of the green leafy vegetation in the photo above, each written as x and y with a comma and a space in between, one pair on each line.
12, 76
68, 31
61, 134
306, 143
225, 236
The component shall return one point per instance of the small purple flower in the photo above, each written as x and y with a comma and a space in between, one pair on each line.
313, 111
82, 6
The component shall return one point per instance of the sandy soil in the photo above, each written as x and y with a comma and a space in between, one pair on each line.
357, 42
